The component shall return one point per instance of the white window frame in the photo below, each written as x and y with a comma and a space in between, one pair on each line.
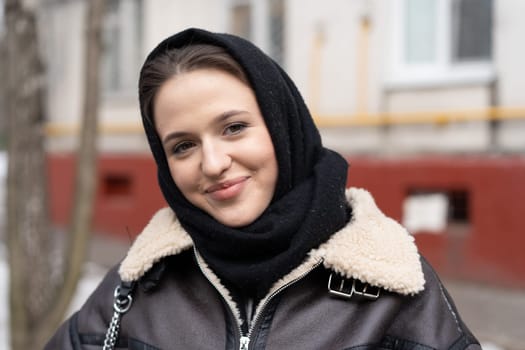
259, 20
443, 71
258, 23
128, 47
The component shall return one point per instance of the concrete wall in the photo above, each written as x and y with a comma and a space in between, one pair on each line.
340, 70
335, 29
62, 30
165, 17
509, 58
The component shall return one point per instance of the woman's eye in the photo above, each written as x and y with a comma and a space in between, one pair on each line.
182, 147
234, 129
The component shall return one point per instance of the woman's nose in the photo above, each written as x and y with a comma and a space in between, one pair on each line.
215, 159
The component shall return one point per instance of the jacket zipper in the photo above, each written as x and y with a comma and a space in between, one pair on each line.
274, 294
244, 341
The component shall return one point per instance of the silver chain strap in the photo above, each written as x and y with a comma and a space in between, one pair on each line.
121, 305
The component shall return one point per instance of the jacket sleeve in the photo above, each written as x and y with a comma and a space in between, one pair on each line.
66, 337
431, 318
466, 339
89, 324
61, 339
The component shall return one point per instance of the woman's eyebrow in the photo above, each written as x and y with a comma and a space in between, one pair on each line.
221, 118
228, 114
173, 135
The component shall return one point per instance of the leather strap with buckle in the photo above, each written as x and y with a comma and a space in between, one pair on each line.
346, 288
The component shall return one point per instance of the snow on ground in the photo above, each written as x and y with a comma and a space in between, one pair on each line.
4, 340
92, 276
90, 279
3, 179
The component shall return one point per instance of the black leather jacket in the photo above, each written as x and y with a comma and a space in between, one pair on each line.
365, 288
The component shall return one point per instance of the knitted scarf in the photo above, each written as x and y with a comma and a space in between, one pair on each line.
309, 203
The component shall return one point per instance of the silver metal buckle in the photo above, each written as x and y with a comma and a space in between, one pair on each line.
347, 290
121, 303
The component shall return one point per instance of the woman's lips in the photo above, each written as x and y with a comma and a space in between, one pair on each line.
227, 189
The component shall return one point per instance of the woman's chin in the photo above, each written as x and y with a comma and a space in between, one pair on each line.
235, 219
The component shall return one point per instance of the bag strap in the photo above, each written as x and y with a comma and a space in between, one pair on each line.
122, 301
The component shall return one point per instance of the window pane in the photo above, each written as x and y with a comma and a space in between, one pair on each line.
276, 23
111, 54
121, 36
420, 31
241, 24
472, 30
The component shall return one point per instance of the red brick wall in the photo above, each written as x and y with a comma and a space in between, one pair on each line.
491, 248
127, 194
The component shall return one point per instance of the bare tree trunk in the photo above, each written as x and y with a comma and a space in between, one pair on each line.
38, 303
28, 231
86, 172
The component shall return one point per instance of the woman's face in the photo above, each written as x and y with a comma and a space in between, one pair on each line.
218, 148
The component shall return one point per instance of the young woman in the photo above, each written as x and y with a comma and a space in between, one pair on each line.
262, 247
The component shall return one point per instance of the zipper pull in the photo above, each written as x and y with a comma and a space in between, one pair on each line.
245, 341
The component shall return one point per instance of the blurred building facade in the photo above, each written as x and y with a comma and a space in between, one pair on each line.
424, 98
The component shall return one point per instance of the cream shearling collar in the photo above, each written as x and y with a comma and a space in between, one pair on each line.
372, 248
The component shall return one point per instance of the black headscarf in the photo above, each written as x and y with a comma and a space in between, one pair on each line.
309, 203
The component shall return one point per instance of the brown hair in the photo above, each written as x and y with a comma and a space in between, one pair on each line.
176, 61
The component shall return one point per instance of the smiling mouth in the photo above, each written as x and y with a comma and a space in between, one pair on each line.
226, 184
227, 189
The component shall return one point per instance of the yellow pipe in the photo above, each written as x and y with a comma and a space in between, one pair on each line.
427, 117
362, 66
54, 129
315, 69
354, 120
